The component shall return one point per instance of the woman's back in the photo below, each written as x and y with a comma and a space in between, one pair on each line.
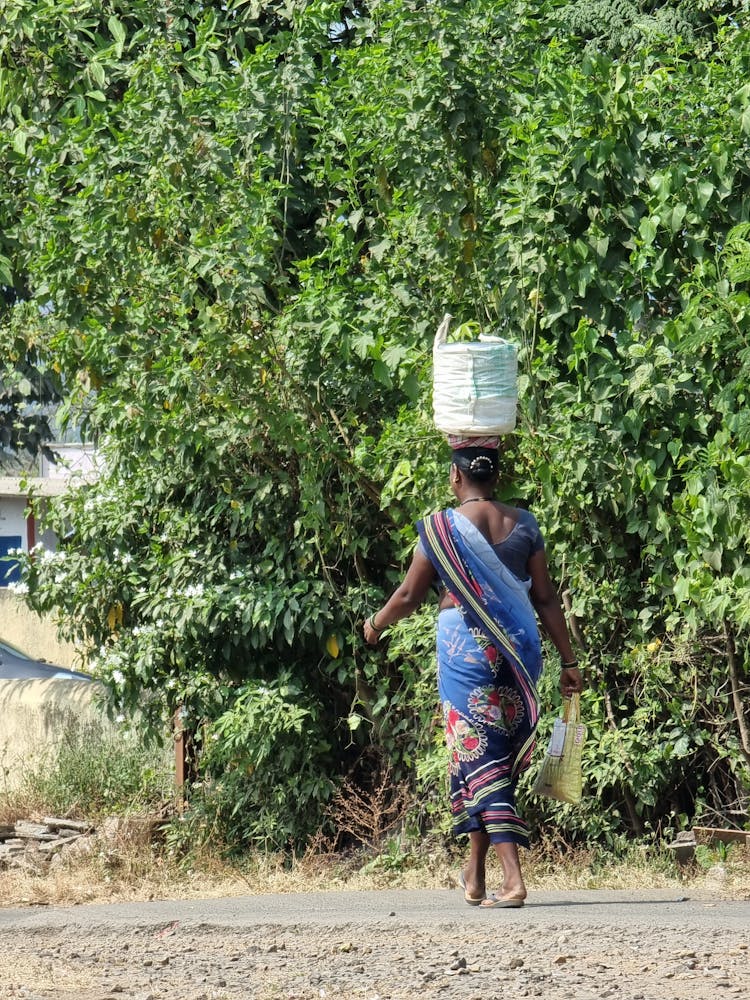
511, 531
495, 520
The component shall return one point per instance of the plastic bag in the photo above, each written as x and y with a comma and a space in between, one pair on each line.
560, 776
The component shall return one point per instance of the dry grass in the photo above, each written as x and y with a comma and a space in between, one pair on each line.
121, 871
19, 804
640, 868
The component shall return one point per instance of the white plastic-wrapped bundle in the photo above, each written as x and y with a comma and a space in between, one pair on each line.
475, 389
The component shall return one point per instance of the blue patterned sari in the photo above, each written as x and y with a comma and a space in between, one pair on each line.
489, 662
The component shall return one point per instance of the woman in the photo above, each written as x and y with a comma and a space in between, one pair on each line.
490, 559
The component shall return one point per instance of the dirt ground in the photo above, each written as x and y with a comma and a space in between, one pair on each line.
492, 959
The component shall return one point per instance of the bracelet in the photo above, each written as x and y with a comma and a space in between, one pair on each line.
373, 626
568, 666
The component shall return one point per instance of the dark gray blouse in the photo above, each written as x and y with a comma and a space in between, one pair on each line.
523, 540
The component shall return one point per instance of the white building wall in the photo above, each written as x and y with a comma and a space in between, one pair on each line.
12, 518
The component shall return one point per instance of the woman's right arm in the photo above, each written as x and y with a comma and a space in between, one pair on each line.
406, 597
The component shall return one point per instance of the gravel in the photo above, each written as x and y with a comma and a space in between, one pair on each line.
553, 951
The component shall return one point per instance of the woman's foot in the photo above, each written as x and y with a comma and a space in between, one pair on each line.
513, 890
474, 888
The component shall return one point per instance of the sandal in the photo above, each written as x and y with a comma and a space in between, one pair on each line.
502, 902
470, 900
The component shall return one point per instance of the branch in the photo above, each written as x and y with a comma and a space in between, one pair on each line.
736, 696
575, 629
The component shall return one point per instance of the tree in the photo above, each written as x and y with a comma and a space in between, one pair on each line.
239, 226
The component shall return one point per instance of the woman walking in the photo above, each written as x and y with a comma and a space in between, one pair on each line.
491, 562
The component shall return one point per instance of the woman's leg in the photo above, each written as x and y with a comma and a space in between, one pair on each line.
513, 883
474, 877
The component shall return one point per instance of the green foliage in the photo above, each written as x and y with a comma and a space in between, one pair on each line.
97, 772
268, 741
26, 396
232, 231
707, 855
624, 25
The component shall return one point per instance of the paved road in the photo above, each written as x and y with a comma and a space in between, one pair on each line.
661, 908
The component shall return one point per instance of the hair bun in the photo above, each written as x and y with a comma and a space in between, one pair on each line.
480, 464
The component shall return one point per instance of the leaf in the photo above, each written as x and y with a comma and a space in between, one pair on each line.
19, 141
681, 747
114, 617
97, 72
705, 190
678, 217
96, 95
117, 30
382, 374
362, 343
332, 646
713, 557
681, 589
6, 272
379, 250
648, 229
393, 355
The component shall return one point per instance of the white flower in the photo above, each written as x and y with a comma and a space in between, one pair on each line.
118, 676
18, 588
119, 718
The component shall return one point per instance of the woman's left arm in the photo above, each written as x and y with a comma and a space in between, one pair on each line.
547, 605
406, 597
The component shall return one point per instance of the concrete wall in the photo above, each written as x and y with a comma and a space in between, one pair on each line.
33, 718
34, 636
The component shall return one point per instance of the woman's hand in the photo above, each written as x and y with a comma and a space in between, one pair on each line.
571, 681
371, 634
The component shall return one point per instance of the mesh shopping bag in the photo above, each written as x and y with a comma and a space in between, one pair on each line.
560, 774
